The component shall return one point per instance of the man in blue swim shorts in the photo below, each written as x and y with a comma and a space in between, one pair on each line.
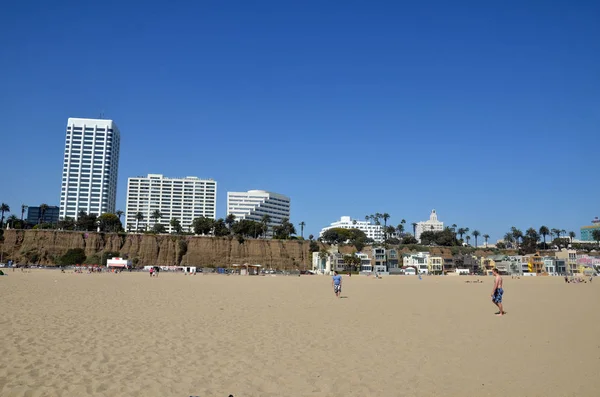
497, 292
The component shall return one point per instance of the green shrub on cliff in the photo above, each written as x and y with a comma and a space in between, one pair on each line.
92, 260
182, 245
74, 256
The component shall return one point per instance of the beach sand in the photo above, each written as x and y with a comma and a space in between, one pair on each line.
131, 335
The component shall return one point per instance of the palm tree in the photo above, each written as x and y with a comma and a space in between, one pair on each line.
302, 224
453, 228
229, 221
544, 231
555, 232
508, 238
12, 219
596, 235
385, 217
572, 235
3, 208
517, 234
460, 232
175, 225
468, 239
377, 217
156, 215
23, 208
400, 229
486, 236
532, 234
138, 217
414, 225
476, 234
119, 213
265, 220
43, 209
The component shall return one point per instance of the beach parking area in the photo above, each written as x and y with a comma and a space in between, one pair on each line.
177, 336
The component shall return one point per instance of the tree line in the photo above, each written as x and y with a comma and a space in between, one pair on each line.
529, 242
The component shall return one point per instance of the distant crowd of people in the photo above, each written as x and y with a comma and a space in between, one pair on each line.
577, 280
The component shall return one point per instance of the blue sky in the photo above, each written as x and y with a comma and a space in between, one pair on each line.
486, 111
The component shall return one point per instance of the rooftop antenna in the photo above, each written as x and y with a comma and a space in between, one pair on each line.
101, 114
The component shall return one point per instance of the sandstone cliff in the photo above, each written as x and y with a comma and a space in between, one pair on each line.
46, 246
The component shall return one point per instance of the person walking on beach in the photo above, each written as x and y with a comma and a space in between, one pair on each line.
497, 292
336, 282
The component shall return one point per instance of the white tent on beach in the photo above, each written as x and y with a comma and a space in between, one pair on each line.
118, 262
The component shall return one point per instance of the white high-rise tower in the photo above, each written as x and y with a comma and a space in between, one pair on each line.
91, 164
181, 198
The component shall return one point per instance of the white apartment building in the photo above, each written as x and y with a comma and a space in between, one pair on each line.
90, 167
431, 225
180, 198
254, 204
374, 232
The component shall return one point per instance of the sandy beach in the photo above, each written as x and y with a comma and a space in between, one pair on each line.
131, 335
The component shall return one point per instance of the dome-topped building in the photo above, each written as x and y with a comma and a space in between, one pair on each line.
431, 225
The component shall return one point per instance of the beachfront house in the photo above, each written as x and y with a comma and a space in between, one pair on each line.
435, 264
588, 264
553, 265
491, 262
589, 261
469, 262
570, 257
487, 263
333, 260
448, 264
535, 263
418, 260
339, 264
379, 259
516, 265
392, 259
365, 262
503, 264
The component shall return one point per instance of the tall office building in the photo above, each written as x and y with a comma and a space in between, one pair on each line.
181, 198
91, 163
254, 204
